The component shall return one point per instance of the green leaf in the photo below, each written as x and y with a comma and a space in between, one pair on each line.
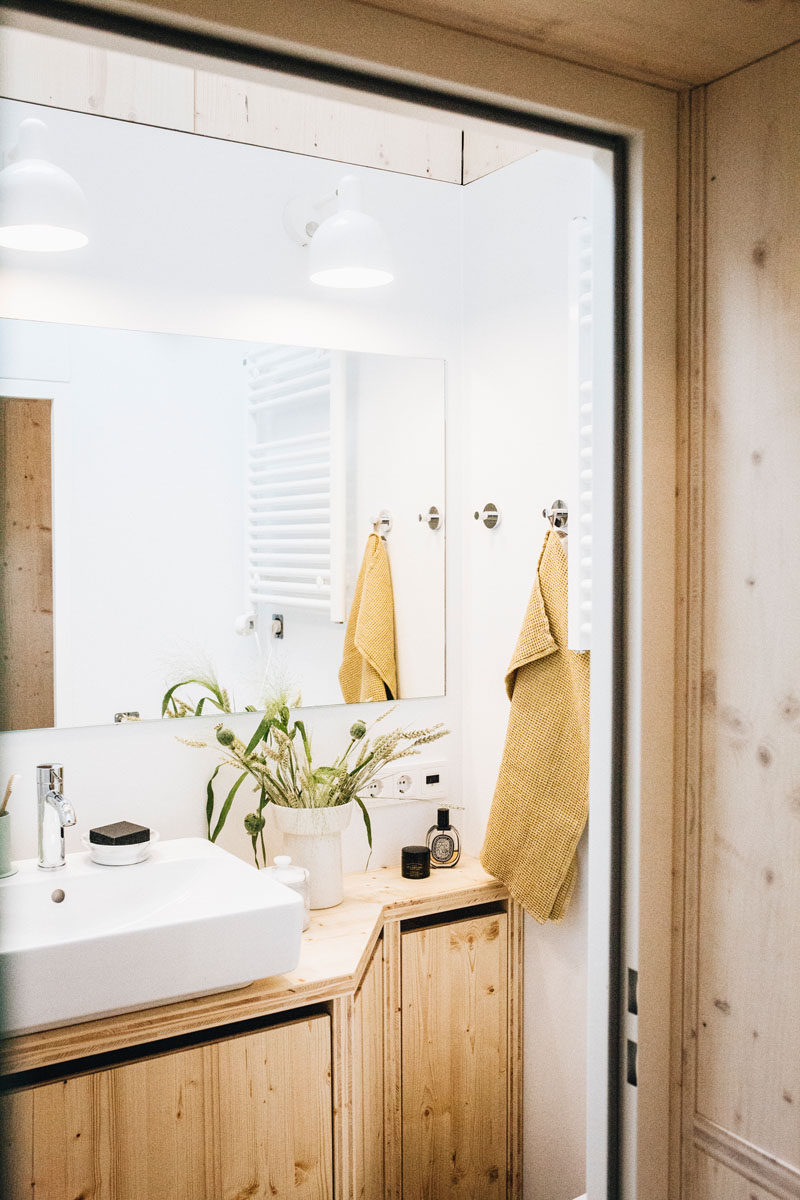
360, 766
226, 808
367, 821
210, 798
169, 694
306, 745
260, 734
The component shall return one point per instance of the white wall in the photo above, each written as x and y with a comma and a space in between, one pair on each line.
516, 224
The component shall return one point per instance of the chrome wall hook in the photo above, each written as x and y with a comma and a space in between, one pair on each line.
382, 524
432, 518
558, 516
490, 515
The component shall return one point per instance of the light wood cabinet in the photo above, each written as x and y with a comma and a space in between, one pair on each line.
247, 1116
455, 1059
368, 1083
386, 1068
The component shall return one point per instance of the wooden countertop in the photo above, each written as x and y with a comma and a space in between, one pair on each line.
335, 951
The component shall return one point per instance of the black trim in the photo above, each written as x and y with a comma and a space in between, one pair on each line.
363, 80
90, 1064
619, 667
493, 908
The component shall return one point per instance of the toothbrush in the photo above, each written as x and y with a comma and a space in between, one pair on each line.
12, 783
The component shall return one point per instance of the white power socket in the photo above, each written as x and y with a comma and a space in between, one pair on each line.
422, 781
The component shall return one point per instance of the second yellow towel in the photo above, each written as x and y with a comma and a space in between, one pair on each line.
541, 800
369, 666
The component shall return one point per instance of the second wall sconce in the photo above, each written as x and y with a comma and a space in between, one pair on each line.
347, 249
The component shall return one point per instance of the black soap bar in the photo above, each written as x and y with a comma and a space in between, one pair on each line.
121, 833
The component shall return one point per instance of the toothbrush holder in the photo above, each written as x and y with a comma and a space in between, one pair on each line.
6, 865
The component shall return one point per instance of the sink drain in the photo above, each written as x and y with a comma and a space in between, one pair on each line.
58, 895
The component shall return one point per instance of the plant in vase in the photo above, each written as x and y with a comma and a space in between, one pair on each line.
312, 805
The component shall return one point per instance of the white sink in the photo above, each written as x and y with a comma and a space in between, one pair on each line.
191, 920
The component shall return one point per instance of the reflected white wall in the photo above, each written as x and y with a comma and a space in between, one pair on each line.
517, 427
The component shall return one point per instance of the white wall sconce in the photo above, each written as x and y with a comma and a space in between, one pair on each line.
347, 249
42, 208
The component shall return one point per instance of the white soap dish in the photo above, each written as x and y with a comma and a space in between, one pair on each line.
120, 855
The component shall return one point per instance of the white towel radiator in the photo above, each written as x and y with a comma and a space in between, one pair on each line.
296, 479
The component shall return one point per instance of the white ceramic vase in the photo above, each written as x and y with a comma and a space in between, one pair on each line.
313, 837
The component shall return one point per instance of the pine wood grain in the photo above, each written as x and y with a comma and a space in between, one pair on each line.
249, 1116
106, 83
747, 931
625, 36
736, 1075
392, 1062
27, 698
455, 1046
712, 1180
368, 1056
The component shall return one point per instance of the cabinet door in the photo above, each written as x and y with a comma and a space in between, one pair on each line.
455, 1056
368, 1082
248, 1116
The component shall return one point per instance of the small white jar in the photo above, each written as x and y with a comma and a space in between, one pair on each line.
285, 872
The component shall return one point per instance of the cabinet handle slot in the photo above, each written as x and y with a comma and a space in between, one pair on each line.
452, 915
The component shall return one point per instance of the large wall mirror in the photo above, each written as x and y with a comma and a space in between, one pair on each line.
183, 508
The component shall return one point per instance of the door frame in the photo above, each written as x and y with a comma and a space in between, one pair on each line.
397, 57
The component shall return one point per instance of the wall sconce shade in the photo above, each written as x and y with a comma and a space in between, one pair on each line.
42, 208
349, 249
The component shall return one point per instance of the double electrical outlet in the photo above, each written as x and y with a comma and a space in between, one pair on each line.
416, 781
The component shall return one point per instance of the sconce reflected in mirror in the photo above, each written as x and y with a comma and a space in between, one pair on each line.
42, 208
348, 248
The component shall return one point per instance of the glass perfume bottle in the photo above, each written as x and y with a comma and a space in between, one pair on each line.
443, 841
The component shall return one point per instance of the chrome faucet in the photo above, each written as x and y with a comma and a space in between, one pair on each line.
55, 815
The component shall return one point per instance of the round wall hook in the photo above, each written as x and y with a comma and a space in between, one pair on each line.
490, 515
382, 524
558, 516
432, 518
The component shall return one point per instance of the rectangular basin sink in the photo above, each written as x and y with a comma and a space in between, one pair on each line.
87, 941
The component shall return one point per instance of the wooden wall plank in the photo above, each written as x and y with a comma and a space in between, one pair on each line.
455, 1059
714, 1181
247, 111
741, 982
27, 697
53, 71
107, 83
679, 42
485, 153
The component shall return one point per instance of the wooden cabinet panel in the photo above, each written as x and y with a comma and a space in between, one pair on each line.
249, 1116
455, 1055
368, 1043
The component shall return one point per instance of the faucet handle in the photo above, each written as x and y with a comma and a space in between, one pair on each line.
64, 809
50, 777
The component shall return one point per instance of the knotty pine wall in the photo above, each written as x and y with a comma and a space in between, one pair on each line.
739, 1084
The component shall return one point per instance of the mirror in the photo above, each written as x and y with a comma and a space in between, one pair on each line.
181, 508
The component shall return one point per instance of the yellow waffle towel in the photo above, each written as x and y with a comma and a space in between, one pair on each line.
541, 800
369, 666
